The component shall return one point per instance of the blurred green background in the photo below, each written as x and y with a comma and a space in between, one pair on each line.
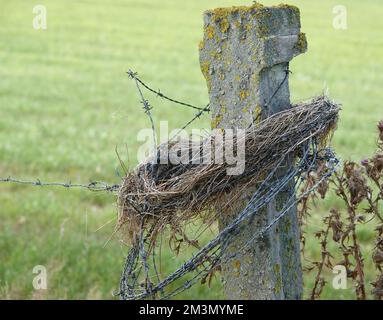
66, 103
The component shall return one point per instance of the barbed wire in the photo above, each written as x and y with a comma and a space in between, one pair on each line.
196, 116
146, 106
92, 186
285, 78
103, 186
214, 251
134, 75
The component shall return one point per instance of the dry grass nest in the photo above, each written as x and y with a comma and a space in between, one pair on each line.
155, 196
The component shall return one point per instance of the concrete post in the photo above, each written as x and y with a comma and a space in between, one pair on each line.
244, 57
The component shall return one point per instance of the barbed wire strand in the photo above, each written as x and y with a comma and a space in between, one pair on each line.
256, 203
92, 186
134, 75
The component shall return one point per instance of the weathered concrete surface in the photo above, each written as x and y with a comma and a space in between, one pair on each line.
244, 57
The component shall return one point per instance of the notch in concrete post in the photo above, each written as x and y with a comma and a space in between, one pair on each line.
244, 57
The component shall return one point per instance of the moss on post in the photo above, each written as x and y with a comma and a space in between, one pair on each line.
244, 56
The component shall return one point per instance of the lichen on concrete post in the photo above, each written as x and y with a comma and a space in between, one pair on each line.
244, 57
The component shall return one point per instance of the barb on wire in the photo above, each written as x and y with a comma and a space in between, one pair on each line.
146, 106
92, 186
197, 116
134, 75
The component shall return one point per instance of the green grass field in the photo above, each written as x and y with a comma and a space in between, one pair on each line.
66, 103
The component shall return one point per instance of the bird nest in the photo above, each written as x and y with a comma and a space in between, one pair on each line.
159, 194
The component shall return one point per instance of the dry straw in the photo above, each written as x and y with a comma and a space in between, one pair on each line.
155, 196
